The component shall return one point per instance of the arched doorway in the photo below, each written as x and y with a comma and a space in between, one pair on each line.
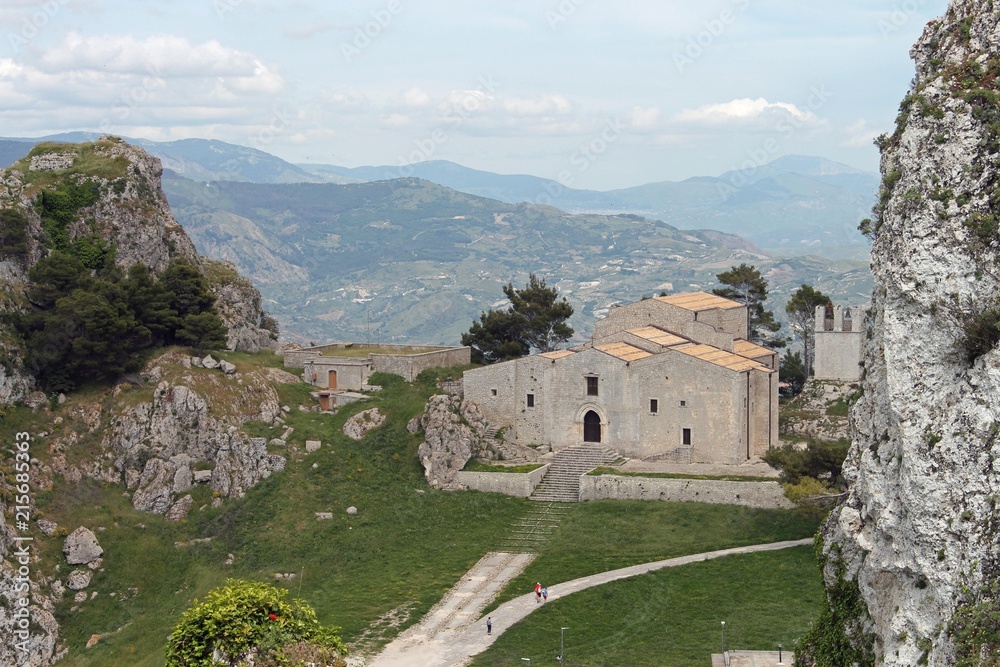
591, 427
332, 384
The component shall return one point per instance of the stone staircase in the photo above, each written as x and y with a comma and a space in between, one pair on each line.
680, 455
561, 483
532, 531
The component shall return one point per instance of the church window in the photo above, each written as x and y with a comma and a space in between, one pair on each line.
654, 406
531, 400
591, 386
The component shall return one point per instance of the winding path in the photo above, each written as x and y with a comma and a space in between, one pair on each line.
453, 631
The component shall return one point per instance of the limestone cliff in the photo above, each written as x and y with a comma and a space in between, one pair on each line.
911, 558
128, 213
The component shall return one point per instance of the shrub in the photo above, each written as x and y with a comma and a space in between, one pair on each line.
248, 622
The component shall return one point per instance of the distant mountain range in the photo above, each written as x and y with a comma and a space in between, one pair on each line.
795, 205
407, 260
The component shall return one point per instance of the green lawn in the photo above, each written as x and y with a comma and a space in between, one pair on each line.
673, 617
609, 534
377, 572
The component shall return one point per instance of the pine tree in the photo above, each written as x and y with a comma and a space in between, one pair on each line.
746, 285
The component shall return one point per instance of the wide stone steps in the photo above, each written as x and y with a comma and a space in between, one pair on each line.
532, 531
562, 481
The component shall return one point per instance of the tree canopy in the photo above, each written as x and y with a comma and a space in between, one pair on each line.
244, 621
801, 310
536, 320
745, 284
90, 325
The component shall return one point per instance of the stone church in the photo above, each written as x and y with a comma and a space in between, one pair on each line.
672, 377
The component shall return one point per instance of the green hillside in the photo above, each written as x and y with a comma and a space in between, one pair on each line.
410, 261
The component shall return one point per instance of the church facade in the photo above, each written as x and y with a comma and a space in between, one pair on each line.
672, 377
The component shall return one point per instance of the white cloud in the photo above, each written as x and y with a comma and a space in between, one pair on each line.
859, 135
396, 120
744, 111
644, 118
415, 97
538, 106
164, 55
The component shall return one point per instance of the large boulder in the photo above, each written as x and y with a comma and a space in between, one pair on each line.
358, 426
81, 547
450, 439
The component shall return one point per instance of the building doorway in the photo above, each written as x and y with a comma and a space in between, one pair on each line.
332, 383
591, 427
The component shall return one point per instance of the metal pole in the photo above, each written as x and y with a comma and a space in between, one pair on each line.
723, 641
527, 660
562, 645
779, 655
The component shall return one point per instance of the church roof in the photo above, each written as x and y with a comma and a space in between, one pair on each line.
557, 354
698, 301
623, 351
719, 357
745, 348
658, 335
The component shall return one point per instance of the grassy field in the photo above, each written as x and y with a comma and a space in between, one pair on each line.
373, 573
673, 617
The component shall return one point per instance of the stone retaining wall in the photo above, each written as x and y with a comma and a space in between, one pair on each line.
519, 484
767, 495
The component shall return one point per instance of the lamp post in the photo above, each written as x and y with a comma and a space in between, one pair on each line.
562, 645
527, 660
779, 655
723, 641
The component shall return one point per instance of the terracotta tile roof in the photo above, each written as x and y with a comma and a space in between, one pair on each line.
698, 301
745, 348
557, 354
658, 336
623, 351
714, 355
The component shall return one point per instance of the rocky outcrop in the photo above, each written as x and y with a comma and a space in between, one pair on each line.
358, 426
454, 432
914, 545
155, 447
81, 547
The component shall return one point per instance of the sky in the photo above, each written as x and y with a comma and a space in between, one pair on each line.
593, 93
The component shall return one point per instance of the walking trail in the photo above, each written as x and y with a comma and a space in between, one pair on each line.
454, 630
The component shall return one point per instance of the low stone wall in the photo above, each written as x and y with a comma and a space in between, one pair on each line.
519, 484
409, 366
767, 495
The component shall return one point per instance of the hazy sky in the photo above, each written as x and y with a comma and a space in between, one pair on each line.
598, 93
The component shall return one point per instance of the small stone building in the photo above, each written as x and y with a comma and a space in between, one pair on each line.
671, 377
347, 366
839, 345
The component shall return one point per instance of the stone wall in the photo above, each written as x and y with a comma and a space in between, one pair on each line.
516, 484
768, 495
411, 365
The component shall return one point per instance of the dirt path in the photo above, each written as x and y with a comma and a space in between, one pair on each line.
453, 631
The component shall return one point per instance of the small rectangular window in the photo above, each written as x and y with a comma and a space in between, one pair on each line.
591, 386
683, 404
531, 400
493, 392
686, 438
654, 405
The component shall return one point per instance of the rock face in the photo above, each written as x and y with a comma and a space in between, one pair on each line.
154, 447
358, 426
454, 432
915, 543
81, 547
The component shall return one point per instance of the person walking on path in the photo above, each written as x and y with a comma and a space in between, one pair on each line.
545, 593
489, 626
538, 592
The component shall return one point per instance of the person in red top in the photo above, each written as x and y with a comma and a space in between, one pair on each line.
538, 592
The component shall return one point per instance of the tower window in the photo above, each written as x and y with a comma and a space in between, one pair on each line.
654, 405
531, 400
